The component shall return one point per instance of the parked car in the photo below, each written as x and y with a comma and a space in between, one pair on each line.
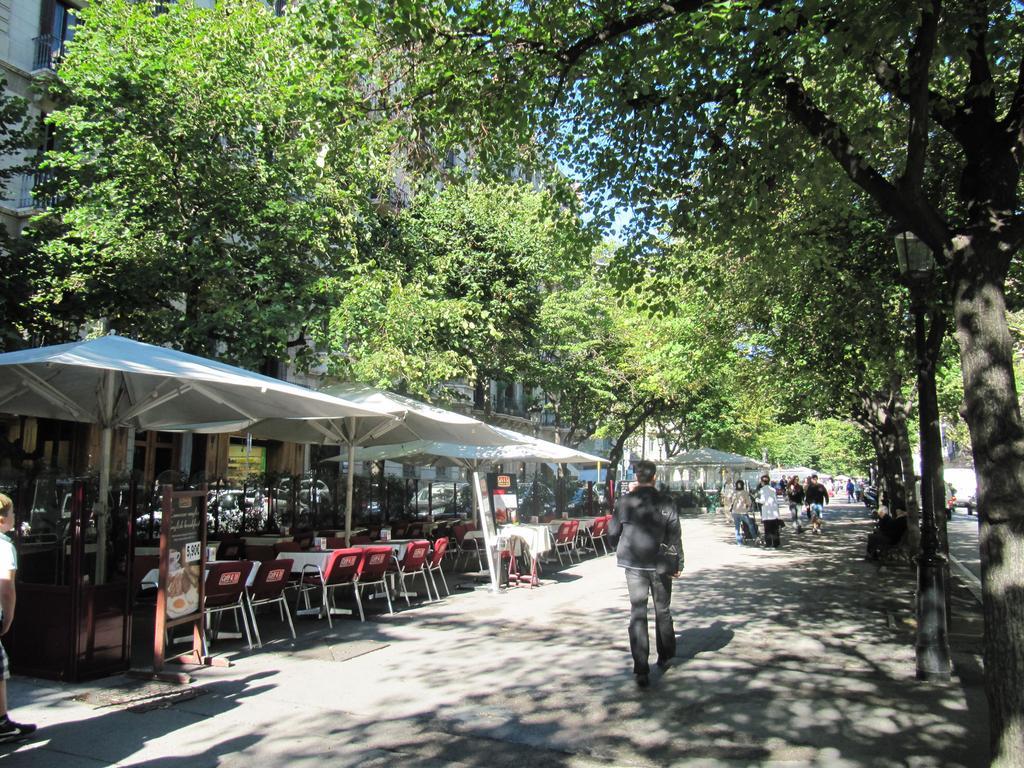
536, 499
577, 503
444, 499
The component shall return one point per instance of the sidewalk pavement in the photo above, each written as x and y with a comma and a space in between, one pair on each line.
801, 656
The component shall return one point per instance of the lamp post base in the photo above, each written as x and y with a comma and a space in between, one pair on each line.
933, 662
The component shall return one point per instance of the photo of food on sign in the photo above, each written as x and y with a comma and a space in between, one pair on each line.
183, 533
504, 499
182, 586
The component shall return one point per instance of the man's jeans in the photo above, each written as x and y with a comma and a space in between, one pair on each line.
641, 585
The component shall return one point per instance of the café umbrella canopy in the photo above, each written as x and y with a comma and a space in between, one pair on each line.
403, 420
472, 457
525, 448
117, 382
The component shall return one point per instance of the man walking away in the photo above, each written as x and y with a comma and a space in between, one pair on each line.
816, 497
9, 730
851, 489
645, 532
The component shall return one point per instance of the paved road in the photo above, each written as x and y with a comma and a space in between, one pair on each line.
797, 657
963, 542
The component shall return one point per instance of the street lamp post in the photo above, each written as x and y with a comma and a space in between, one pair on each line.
917, 263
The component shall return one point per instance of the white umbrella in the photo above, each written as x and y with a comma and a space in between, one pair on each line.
118, 382
525, 449
405, 420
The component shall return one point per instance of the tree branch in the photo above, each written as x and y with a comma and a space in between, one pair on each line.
980, 95
890, 79
915, 215
1014, 120
918, 67
619, 27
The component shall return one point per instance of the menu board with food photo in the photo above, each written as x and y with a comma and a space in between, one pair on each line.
183, 542
503, 496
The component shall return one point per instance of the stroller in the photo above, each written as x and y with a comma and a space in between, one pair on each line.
751, 534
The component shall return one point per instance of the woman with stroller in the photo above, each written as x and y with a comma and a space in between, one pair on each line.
769, 512
740, 507
795, 494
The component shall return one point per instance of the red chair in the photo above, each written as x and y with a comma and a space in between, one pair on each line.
287, 546
341, 570
412, 564
361, 540
304, 540
599, 532
565, 539
434, 565
224, 590
374, 570
267, 588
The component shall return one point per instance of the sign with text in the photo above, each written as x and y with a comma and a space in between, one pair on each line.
503, 497
182, 563
245, 460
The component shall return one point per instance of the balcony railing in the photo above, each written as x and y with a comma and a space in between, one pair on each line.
509, 405
49, 52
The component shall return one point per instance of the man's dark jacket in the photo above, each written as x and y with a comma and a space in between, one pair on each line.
816, 494
643, 519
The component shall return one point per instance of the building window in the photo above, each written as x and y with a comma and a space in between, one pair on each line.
58, 29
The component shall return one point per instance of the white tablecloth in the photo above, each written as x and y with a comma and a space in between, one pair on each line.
536, 537
398, 546
152, 578
301, 559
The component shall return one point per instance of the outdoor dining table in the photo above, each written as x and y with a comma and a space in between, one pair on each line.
537, 539
152, 578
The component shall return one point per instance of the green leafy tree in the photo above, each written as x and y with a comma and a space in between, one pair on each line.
458, 289
660, 104
208, 196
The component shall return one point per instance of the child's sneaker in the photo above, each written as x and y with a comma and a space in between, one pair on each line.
12, 731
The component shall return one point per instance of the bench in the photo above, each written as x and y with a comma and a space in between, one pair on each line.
894, 553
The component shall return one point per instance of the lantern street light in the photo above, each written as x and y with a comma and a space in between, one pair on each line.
917, 265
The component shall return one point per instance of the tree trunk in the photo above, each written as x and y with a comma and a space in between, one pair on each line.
994, 419
908, 479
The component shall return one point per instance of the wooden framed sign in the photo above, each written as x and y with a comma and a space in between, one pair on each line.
182, 568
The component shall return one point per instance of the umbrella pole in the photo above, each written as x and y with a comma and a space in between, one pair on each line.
348, 492
106, 447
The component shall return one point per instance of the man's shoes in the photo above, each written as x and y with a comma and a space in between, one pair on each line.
665, 663
12, 731
643, 679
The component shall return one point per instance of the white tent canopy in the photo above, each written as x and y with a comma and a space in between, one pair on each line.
710, 457
117, 382
802, 473
525, 448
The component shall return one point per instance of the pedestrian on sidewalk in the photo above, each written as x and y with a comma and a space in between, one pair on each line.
739, 507
851, 490
648, 544
795, 494
9, 730
816, 496
769, 513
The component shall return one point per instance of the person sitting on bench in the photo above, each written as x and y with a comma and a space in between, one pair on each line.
889, 531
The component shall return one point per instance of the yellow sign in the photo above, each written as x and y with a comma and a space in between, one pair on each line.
243, 462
